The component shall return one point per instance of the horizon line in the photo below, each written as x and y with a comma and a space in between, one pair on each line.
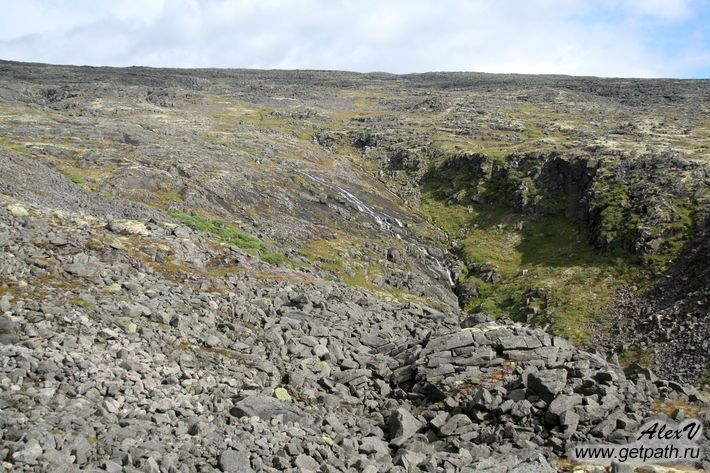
346, 71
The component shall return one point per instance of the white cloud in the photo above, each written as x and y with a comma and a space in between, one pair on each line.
663, 9
544, 36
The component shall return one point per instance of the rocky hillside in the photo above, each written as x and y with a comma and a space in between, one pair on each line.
144, 345
238, 270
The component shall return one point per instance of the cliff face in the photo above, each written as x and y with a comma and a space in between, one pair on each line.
276, 270
668, 323
639, 204
646, 214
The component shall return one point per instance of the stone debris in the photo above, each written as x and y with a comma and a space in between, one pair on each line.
134, 369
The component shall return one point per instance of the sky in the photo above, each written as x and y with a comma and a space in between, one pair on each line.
608, 38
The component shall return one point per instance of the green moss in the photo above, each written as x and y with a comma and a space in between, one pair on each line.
613, 202
704, 380
13, 146
306, 134
221, 229
88, 178
75, 178
230, 234
557, 260
534, 131
162, 198
325, 254
642, 356
678, 233
274, 259
80, 302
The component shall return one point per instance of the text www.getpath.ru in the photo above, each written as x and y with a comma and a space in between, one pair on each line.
624, 453
656, 442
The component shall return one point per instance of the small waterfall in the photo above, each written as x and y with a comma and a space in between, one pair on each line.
382, 219
440, 266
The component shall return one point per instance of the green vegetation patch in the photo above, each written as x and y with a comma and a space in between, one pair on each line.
13, 146
546, 270
75, 178
230, 234
549, 272
635, 354
346, 260
704, 381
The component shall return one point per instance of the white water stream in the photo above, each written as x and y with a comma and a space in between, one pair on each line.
382, 219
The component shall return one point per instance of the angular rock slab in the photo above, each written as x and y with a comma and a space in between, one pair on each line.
266, 408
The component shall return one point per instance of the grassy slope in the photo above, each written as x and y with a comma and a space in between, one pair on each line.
558, 260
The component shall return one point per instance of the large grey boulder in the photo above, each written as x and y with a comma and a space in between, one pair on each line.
375, 447
84, 265
547, 384
560, 405
266, 408
233, 461
402, 425
447, 342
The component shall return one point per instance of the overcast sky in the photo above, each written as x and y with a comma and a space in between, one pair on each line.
640, 38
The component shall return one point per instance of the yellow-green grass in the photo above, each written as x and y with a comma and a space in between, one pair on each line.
553, 251
230, 234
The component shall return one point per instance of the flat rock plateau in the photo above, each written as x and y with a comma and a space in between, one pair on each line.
317, 271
